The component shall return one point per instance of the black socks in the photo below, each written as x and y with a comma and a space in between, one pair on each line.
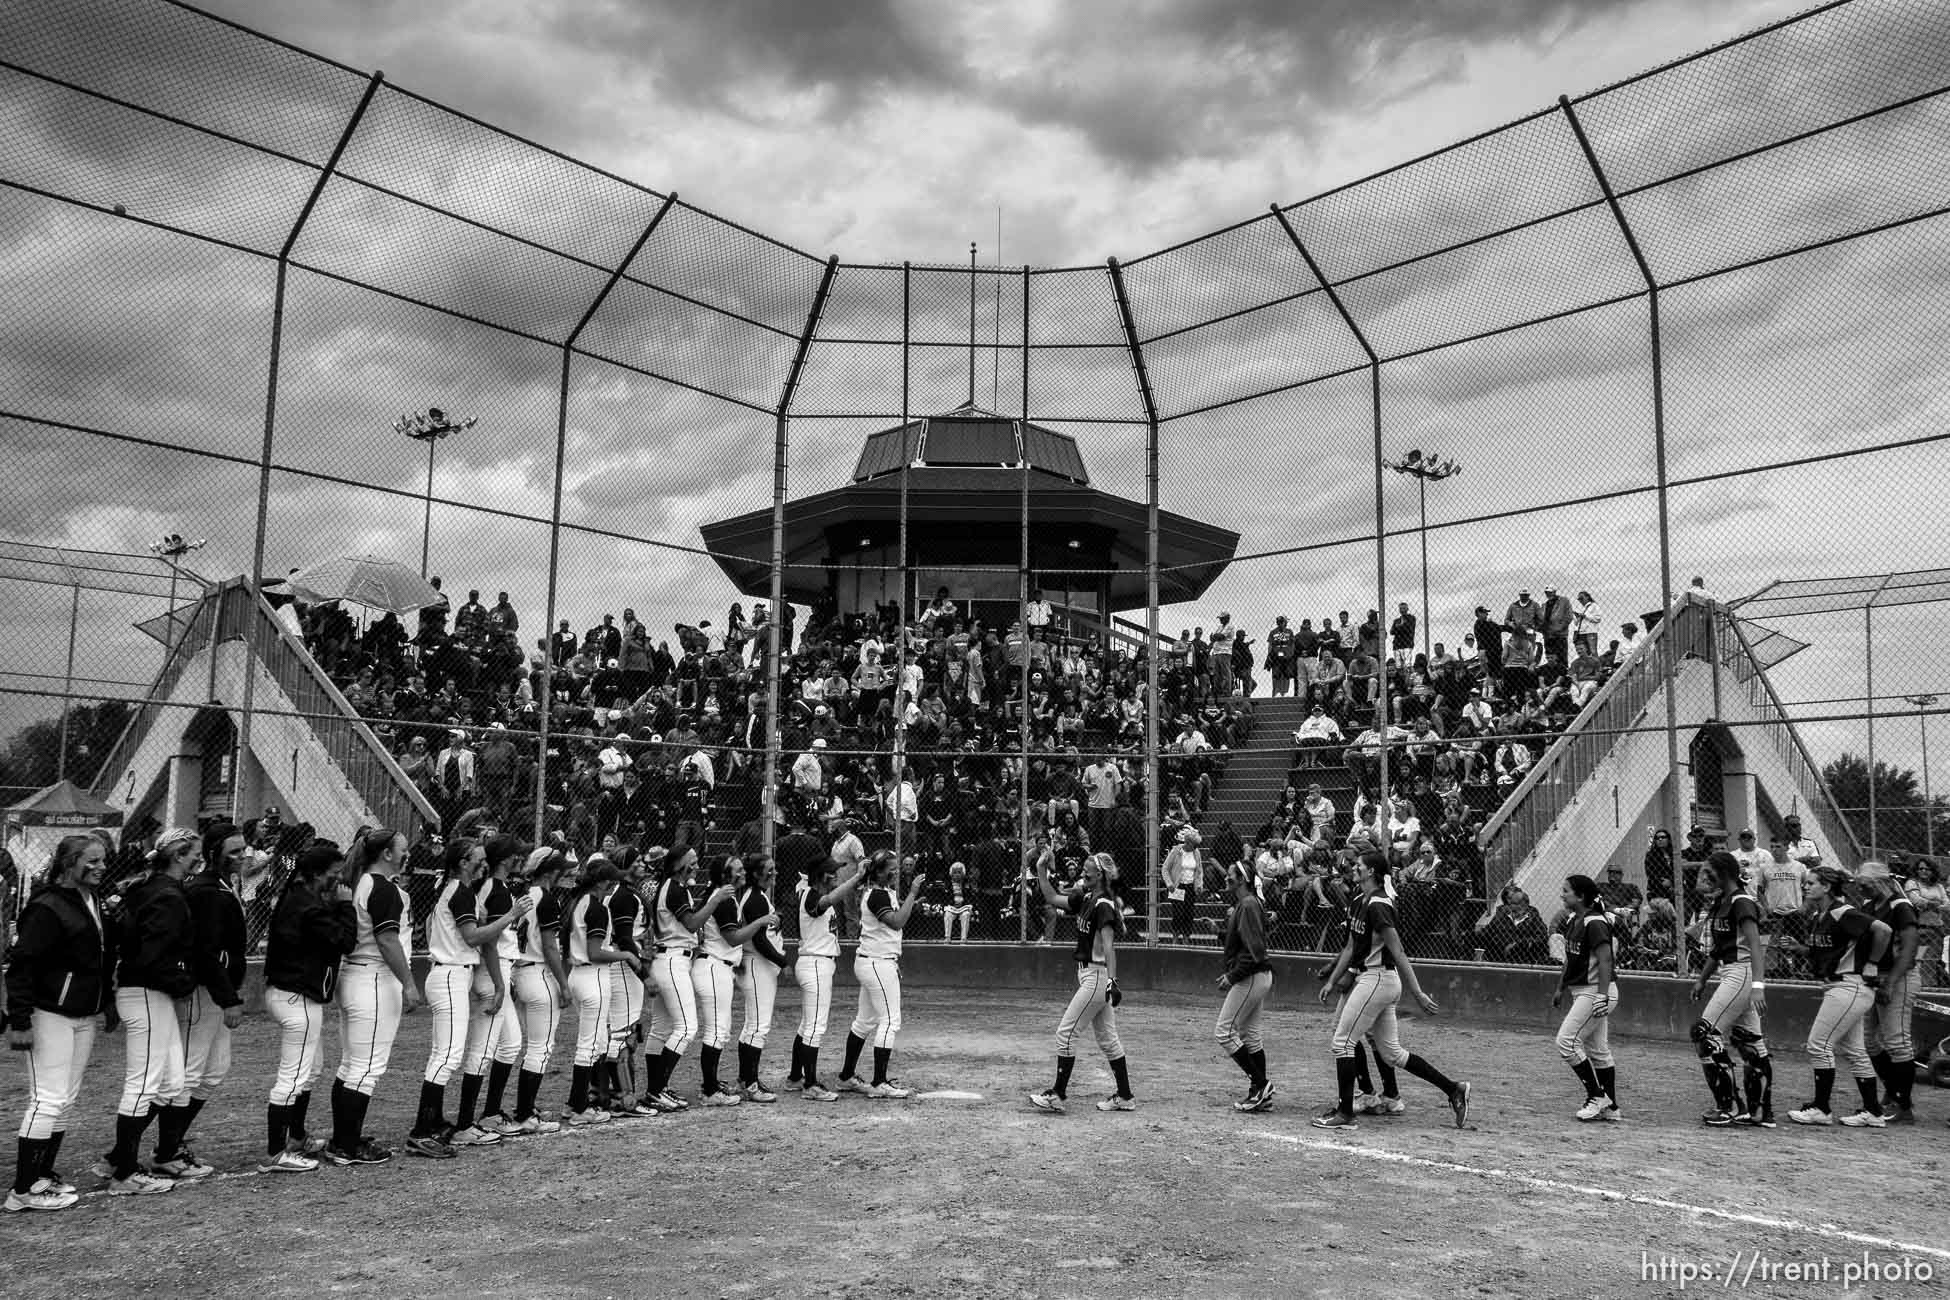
1347, 1070
527, 1087
1588, 1077
433, 1101
497, 1086
798, 1059
1608, 1081
1122, 1072
881, 1056
812, 1065
128, 1138
579, 1089
854, 1046
27, 1164
277, 1128
470, 1096
1428, 1074
707, 1060
1064, 1064
1824, 1090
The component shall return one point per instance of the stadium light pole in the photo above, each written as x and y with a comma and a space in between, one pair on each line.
430, 426
1923, 702
1424, 470
169, 550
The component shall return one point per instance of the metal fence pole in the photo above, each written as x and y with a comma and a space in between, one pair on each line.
1682, 960
907, 460
1153, 774
1022, 611
1869, 712
67, 686
770, 787
540, 821
240, 766
1380, 513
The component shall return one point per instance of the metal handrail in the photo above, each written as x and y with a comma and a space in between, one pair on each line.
194, 638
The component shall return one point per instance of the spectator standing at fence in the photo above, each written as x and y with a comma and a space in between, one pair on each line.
1182, 872
455, 776
1489, 648
1659, 865
1800, 847
1280, 656
1586, 623
1103, 782
1401, 635
1628, 643
1557, 618
1219, 650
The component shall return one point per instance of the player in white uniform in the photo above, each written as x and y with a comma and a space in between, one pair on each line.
877, 965
586, 940
541, 982
494, 1021
714, 970
758, 978
818, 954
1584, 1037
1735, 952
452, 961
375, 989
1099, 917
614, 1092
676, 912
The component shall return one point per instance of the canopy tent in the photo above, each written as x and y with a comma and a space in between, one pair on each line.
35, 825
385, 585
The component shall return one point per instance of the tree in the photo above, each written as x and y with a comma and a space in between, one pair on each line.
31, 757
1900, 816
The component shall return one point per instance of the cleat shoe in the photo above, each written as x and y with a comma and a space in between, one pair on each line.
588, 1118
755, 1091
1899, 1114
18, 1201
722, 1097
368, 1152
1380, 1106
1047, 1100
1612, 1114
473, 1136
814, 1092
502, 1125
430, 1147
1459, 1103
1865, 1119
1117, 1103
139, 1184
668, 1103
1809, 1114
184, 1167
1364, 1103
1761, 1119
536, 1126
890, 1091
852, 1084
793, 1085
53, 1185
1257, 1099
1714, 1118
1333, 1118
308, 1146
286, 1162
636, 1110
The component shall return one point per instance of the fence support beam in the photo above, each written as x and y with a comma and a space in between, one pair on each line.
1153, 775
540, 820
1382, 802
240, 764
900, 650
768, 832
1022, 599
1667, 660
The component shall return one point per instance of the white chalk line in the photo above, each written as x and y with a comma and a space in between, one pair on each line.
1604, 1193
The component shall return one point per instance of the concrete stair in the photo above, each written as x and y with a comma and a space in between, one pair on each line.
1246, 793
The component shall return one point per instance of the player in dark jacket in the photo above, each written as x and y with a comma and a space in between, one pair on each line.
57, 983
1584, 1037
217, 1006
1846, 948
312, 929
157, 968
1248, 981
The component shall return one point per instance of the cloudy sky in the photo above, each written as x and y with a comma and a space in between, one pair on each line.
884, 131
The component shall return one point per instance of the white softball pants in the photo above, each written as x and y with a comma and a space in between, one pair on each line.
1369, 1009
206, 1047
713, 981
1731, 1007
815, 975
370, 999
1089, 1007
62, 1045
879, 1018
538, 996
1585, 1033
494, 1037
625, 1007
1837, 1030
152, 1046
673, 1021
1887, 1026
449, 1005
1239, 1014
758, 995
590, 991
301, 1043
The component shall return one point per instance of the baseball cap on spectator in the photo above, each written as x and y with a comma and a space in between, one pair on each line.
819, 742
1696, 830
1791, 820
1746, 832
1872, 870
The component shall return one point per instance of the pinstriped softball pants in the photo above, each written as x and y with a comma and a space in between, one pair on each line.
301, 1043
1585, 1033
673, 1020
815, 975
62, 1045
1239, 1014
878, 1020
1837, 1030
152, 1045
1089, 1007
1887, 1026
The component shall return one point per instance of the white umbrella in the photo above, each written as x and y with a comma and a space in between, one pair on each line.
365, 580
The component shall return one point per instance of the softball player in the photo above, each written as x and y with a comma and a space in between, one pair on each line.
57, 983
758, 978
877, 966
541, 983
1890, 1047
721, 948
819, 953
312, 928
157, 969
676, 915
625, 989
1584, 1038
1248, 982
375, 989
452, 961
1099, 919
1373, 951
1739, 1000
589, 946
493, 1023
217, 1006
1845, 949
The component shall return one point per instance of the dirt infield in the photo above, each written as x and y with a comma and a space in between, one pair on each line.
989, 1198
